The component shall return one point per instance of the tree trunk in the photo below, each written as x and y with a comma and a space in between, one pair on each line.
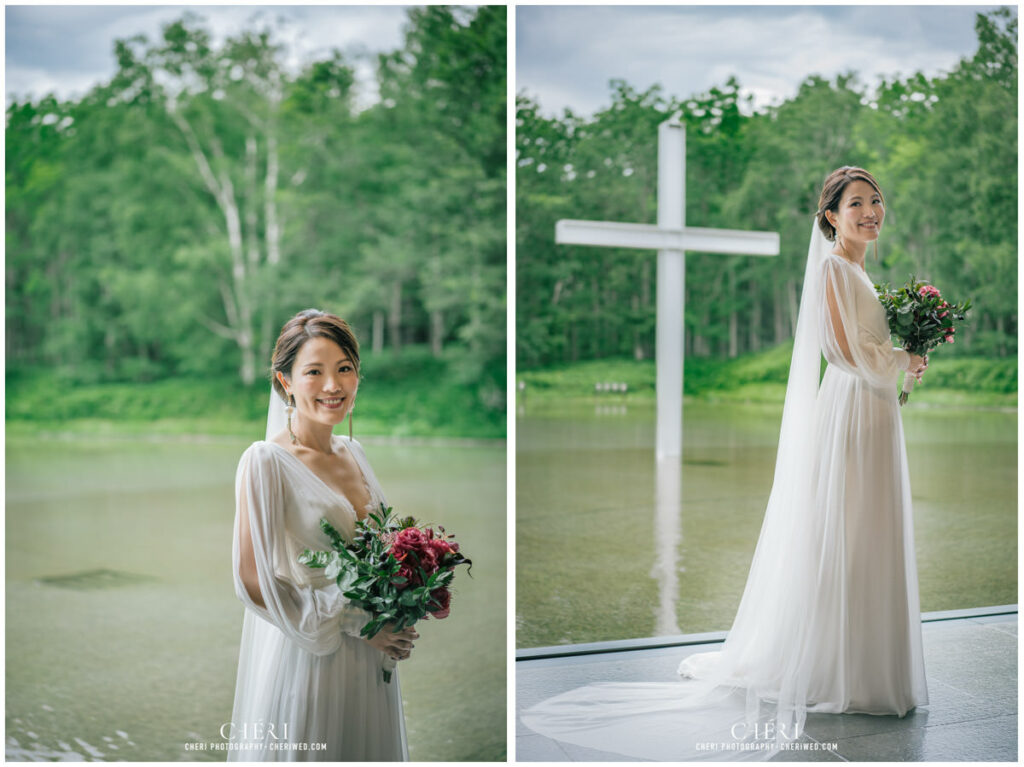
247, 370
641, 309
272, 227
436, 332
754, 342
777, 315
689, 339
612, 327
237, 302
638, 349
264, 342
271, 241
706, 351
267, 338
110, 347
53, 272
395, 316
378, 331
251, 216
556, 292
794, 306
734, 326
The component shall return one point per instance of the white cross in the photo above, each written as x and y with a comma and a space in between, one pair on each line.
671, 238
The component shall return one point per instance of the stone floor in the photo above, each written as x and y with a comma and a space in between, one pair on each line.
970, 660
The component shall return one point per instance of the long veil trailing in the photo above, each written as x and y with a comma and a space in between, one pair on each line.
749, 700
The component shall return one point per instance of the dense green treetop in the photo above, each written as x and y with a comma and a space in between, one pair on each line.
169, 221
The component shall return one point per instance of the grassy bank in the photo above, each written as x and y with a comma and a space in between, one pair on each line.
761, 377
406, 395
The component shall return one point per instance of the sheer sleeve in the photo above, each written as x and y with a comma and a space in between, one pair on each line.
846, 341
312, 617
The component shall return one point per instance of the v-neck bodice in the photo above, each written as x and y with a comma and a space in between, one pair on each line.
336, 442
301, 499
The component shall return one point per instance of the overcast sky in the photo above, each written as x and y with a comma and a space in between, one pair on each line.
68, 49
566, 55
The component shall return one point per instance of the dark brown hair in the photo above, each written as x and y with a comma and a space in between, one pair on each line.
832, 192
307, 324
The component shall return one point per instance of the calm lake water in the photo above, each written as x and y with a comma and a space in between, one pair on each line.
600, 558
122, 623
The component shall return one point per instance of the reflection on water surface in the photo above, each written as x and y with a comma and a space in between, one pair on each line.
122, 623
611, 545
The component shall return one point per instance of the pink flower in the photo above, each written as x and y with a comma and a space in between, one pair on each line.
943, 315
949, 339
929, 290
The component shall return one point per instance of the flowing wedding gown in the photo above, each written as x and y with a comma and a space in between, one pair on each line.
304, 676
830, 617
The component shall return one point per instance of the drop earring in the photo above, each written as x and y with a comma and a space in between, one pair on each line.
289, 409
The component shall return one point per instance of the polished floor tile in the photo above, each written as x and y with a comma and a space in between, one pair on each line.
971, 666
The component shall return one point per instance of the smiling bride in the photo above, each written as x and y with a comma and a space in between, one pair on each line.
308, 687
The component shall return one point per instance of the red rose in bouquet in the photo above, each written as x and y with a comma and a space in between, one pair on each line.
421, 552
442, 598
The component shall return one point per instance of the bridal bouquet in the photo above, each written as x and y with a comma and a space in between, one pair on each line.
396, 569
920, 318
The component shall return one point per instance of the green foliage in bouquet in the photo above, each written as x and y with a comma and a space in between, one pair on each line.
918, 315
392, 568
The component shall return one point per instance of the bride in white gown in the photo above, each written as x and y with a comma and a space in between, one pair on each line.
308, 687
830, 618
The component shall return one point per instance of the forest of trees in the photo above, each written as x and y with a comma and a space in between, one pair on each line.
944, 150
168, 222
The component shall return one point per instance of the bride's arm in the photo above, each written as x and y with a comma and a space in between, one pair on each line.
247, 564
843, 343
312, 617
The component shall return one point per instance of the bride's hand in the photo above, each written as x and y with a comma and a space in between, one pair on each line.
397, 645
918, 365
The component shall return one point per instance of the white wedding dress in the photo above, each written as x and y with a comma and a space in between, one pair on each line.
830, 618
305, 678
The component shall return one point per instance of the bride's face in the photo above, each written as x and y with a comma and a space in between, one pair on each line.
860, 214
323, 381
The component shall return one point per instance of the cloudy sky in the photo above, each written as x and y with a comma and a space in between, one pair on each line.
68, 49
565, 55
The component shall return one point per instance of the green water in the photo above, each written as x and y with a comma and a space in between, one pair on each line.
595, 561
122, 623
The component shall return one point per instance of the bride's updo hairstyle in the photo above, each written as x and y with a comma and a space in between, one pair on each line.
832, 192
307, 324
